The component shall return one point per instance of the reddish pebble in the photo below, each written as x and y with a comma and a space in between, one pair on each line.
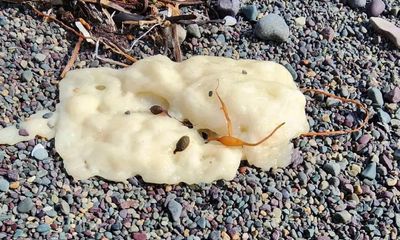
139, 236
23, 132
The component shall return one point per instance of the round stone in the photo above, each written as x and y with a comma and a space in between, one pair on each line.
272, 27
25, 205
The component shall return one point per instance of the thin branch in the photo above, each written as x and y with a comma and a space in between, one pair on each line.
345, 100
56, 20
109, 4
181, 2
176, 44
73, 58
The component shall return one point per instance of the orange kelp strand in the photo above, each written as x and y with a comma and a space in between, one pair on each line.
344, 100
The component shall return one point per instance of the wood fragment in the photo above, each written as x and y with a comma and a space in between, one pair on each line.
344, 100
73, 58
176, 44
181, 2
109, 4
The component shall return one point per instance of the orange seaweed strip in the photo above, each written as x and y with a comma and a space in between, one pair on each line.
345, 100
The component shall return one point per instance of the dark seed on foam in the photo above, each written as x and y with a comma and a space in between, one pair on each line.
156, 109
182, 144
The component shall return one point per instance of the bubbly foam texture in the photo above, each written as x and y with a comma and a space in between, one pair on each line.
104, 126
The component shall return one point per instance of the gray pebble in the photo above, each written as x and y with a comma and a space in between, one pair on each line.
384, 116
272, 27
342, 217
396, 154
193, 30
25, 205
376, 96
332, 168
291, 70
40, 57
221, 39
43, 228
3, 21
175, 210
39, 152
64, 206
23, 132
357, 3
27, 75
228, 7
250, 12
302, 178
397, 220
370, 171
375, 8
201, 222
4, 185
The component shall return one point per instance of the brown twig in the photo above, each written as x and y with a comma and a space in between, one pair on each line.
181, 2
73, 58
56, 20
338, 132
117, 49
175, 43
109, 4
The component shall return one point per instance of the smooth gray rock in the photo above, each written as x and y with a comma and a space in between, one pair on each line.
4, 185
375, 8
193, 30
342, 217
250, 12
332, 168
27, 75
25, 205
272, 27
376, 96
175, 209
40, 57
228, 7
384, 116
39, 152
370, 171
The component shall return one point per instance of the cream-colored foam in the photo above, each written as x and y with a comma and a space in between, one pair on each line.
95, 136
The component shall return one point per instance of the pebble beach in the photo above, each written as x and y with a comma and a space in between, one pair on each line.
337, 187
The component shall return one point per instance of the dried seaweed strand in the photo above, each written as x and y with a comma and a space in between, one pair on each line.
338, 132
73, 58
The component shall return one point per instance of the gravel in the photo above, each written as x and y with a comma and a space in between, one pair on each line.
338, 187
